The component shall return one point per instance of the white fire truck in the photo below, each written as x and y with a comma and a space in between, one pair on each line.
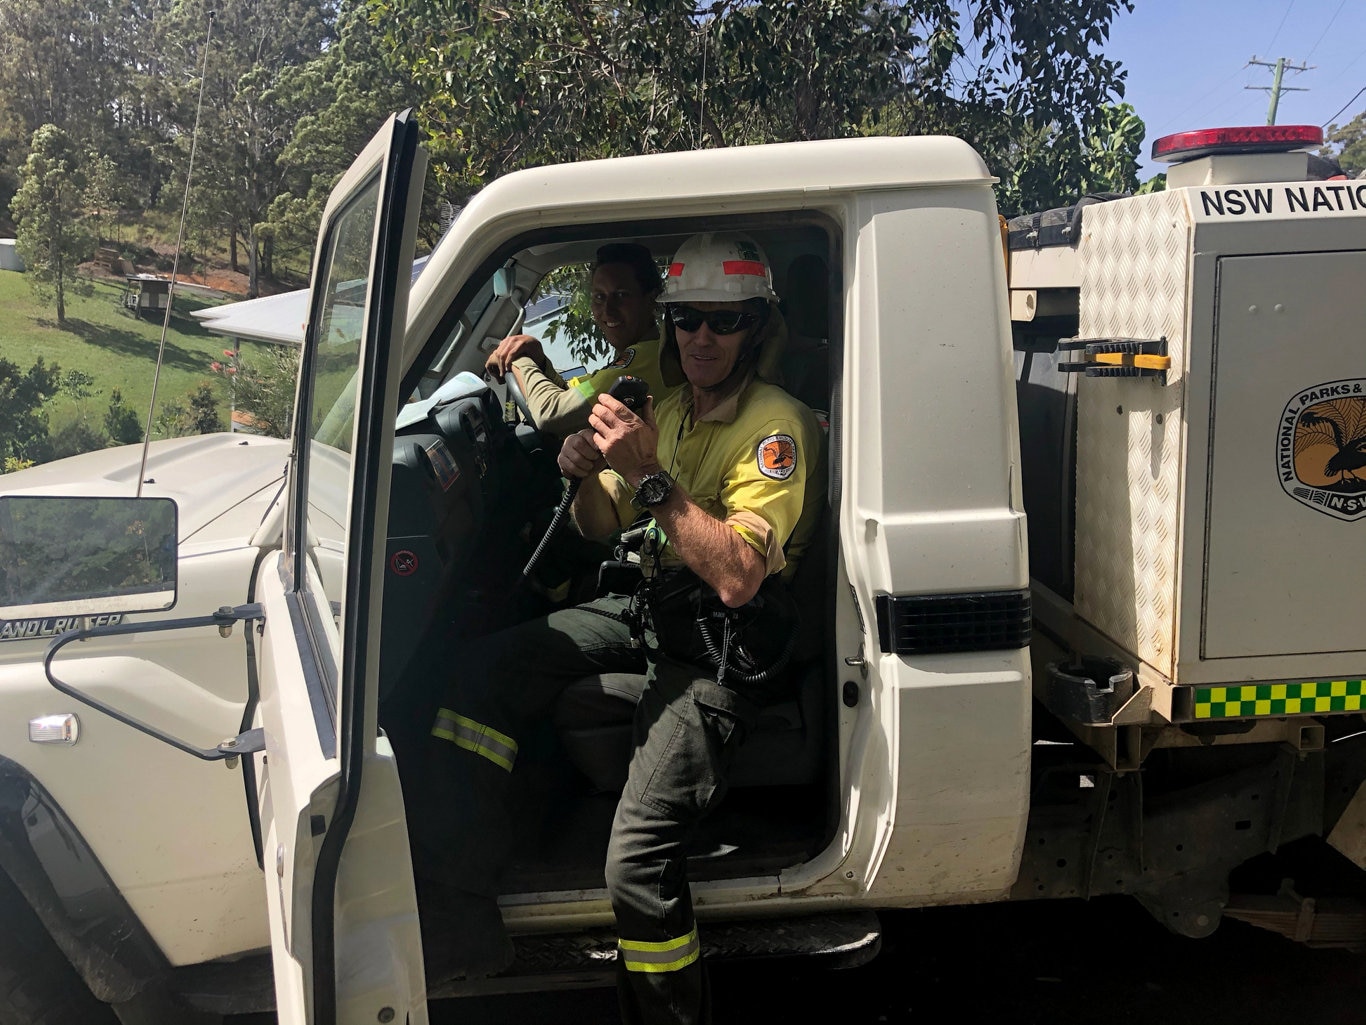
1086, 627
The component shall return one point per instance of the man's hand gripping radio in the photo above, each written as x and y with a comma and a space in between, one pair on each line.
631, 392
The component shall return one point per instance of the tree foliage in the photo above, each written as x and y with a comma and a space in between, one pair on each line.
121, 422
264, 389
243, 128
1347, 143
1111, 149
91, 67
526, 82
294, 87
23, 413
49, 210
203, 411
336, 100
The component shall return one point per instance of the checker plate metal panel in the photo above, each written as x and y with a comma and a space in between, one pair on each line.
1134, 257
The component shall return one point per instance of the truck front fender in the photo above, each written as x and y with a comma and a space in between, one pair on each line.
54, 870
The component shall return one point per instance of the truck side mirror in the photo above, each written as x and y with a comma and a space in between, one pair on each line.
69, 556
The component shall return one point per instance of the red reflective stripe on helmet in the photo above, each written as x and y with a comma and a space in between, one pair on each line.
675, 270
742, 267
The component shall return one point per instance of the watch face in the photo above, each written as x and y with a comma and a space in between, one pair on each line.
655, 488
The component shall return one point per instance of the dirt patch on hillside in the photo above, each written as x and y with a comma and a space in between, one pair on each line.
221, 280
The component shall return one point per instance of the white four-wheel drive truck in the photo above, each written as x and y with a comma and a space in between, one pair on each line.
216, 666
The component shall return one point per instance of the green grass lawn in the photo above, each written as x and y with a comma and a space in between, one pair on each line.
113, 346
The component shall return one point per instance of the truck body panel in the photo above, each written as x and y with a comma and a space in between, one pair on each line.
1178, 495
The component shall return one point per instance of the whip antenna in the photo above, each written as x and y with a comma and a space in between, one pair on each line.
175, 261
702, 102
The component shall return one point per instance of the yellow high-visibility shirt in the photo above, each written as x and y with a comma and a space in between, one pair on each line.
562, 408
756, 462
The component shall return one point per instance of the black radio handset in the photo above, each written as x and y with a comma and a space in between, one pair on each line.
632, 393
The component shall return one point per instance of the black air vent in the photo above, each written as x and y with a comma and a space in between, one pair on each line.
935, 624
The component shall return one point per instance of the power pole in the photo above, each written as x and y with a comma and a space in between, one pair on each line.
1275, 89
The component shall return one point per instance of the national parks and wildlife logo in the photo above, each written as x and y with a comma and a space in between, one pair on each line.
1321, 448
777, 456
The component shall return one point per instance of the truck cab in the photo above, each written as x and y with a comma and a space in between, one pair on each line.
914, 608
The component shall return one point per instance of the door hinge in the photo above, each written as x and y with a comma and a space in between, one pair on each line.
243, 744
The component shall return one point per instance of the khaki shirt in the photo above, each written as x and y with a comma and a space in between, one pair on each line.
755, 462
562, 408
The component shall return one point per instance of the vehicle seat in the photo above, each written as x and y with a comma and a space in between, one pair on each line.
806, 308
594, 715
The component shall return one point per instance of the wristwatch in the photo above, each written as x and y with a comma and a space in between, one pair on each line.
654, 488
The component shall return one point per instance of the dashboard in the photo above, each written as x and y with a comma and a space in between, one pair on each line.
447, 474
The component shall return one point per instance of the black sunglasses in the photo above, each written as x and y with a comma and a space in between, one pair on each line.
721, 322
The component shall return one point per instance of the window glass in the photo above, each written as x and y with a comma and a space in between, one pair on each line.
332, 380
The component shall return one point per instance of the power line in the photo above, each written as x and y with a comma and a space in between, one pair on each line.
1344, 107
1173, 119
1280, 26
1325, 30
1342, 71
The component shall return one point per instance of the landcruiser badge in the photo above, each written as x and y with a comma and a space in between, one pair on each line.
26, 629
1321, 448
777, 456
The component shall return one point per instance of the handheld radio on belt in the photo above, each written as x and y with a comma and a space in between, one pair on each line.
631, 392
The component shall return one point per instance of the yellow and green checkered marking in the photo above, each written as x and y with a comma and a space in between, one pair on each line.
1308, 698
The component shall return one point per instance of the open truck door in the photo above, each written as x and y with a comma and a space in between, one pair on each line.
343, 914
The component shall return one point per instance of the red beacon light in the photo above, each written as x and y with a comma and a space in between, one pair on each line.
1256, 139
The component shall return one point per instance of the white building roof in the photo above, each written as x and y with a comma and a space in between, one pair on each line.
271, 318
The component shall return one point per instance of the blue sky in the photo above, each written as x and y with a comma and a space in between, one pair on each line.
1186, 62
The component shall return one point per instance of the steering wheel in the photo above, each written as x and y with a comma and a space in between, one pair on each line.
514, 393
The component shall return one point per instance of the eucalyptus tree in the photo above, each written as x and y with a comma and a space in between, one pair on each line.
1347, 144
335, 100
515, 83
243, 128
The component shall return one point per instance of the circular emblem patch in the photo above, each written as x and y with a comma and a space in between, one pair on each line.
777, 456
622, 361
1321, 448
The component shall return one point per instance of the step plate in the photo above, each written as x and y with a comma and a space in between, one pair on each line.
588, 959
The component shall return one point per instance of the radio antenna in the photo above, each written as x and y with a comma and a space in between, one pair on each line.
702, 101
175, 262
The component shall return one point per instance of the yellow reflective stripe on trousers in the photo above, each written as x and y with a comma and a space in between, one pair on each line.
497, 747
661, 956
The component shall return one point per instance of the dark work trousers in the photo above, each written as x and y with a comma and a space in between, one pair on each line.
686, 730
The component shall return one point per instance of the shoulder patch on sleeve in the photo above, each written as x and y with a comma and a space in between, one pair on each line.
624, 360
777, 456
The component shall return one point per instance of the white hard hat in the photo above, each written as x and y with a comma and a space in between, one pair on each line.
718, 266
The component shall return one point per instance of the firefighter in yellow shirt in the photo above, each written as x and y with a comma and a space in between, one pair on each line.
623, 289
726, 477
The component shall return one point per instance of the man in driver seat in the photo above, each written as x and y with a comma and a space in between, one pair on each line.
622, 288
726, 475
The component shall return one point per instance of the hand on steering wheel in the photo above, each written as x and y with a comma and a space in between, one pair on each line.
515, 396
514, 347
